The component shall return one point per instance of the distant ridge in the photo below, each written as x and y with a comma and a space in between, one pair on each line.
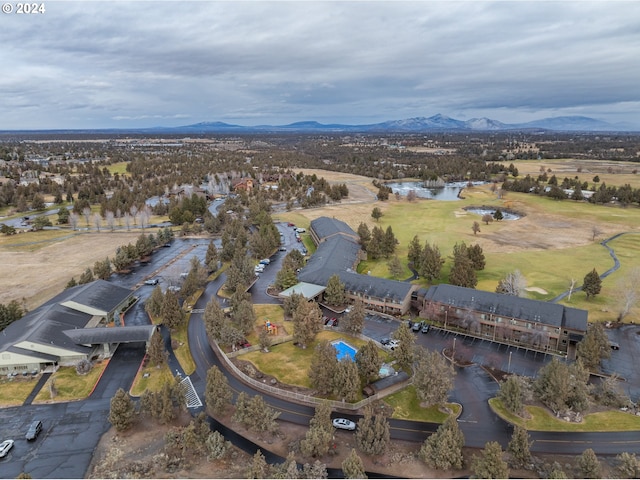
436, 123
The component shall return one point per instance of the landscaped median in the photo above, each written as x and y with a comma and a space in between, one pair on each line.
68, 385
540, 419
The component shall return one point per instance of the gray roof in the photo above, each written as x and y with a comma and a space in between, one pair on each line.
326, 227
307, 290
93, 336
44, 325
47, 323
336, 254
99, 295
509, 306
376, 287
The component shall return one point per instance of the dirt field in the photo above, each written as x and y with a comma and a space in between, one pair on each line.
40, 269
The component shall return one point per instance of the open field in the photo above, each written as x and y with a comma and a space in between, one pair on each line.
41, 263
550, 245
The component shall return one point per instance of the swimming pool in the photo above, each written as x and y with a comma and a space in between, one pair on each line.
344, 350
386, 370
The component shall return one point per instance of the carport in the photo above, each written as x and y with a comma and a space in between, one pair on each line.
309, 291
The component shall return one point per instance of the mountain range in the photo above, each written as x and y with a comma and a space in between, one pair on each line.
436, 123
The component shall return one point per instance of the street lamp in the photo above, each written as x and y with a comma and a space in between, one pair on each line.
453, 354
509, 366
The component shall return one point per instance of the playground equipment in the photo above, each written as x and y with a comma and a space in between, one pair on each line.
271, 328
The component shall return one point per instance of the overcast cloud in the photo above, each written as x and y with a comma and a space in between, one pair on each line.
143, 63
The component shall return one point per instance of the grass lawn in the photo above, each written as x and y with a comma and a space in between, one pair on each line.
542, 420
290, 364
183, 353
155, 379
406, 406
120, 168
15, 391
71, 386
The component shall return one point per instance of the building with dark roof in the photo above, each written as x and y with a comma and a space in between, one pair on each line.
339, 253
68, 328
532, 324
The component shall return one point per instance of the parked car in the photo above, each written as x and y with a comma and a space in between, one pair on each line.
151, 281
333, 322
259, 268
385, 341
5, 447
34, 430
325, 319
614, 346
298, 239
393, 344
300, 230
283, 249
425, 328
290, 224
417, 326
265, 261
344, 424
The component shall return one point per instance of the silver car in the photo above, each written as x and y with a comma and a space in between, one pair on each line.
344, 424
5, 447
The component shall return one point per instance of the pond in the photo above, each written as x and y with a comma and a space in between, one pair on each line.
448, 192
506, 214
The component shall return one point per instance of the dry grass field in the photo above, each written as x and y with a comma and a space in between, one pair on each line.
37, 265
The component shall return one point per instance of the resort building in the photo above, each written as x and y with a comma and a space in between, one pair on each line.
338, 253
533, 324
68, 328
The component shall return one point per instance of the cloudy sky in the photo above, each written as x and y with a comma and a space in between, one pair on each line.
147, 63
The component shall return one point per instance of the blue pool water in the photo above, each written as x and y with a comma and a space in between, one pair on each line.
344, 350
386, 370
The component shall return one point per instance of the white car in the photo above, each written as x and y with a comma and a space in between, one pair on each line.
344, 424
5, 447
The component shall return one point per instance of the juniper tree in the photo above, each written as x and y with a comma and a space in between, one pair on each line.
368, 361
372, 435
318, 438
490, 463
323, 366
443, 449
592, 284
353, 321
334, 294
153, 304
172, 314
352, 466
520, 447
157, 354
213, 317
588, 464
594, 347
346, 381
404, 353
259, 467
121, 410
218, 394
433, 377
629, 465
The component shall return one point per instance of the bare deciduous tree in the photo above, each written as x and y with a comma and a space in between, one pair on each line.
513, 283
110, 219
595, 232
628, 292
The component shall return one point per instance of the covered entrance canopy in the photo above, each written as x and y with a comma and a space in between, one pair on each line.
307, 290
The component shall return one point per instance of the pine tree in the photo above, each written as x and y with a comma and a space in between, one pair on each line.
592, 284
346, 381
218, 394
629, 466
153, 305
490, 464
589, 465
307, 322
334, 294
372, 435
462, 273
259, 467
395, 267
404, 352
212, 257
431, 262
352, 466
365, 235
353, 322
368, 361
511, 394
157, 354
594, 347
433, 377
520, 447
318, 438
443, 449
323, 366
213, 319
172, 315
414, 253
121, 411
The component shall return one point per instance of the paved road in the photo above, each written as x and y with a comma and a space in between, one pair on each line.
71, 430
